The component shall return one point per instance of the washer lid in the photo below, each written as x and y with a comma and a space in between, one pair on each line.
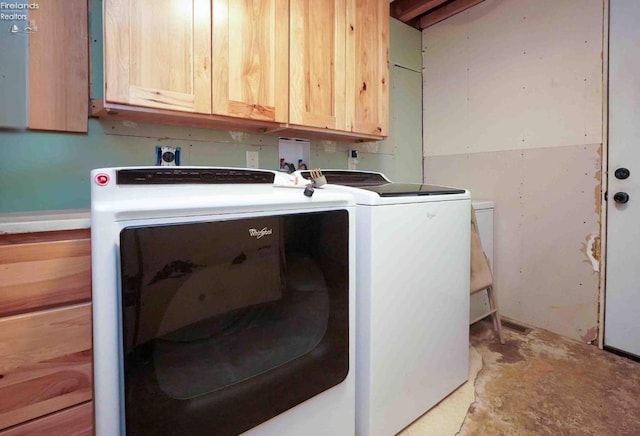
378, 183
410, 189
350, 177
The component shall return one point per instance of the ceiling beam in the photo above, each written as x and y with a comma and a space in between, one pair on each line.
405, 10
446, 11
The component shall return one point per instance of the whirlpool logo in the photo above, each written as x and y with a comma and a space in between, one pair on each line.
260, 233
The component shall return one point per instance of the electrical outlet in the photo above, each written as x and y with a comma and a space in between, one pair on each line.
253, 159
352, 160
167, 155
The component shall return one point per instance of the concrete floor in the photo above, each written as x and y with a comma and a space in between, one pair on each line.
538, 383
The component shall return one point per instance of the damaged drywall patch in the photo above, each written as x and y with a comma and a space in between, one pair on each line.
130, 124
369, 147
595, 250
591, 249
328, 146
590, 335
238, 136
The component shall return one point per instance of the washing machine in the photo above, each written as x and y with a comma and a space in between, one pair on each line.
412, 296
223, 304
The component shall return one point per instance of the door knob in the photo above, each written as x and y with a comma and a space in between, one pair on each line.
621, 197
622, 173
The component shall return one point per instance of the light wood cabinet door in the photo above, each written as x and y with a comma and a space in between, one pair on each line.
367, 71
45, 362
59, 66
44, 274
250, 52
317, 63
158, 53
76, 421
45, 333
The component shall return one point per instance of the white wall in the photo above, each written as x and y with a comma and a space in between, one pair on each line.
513, 111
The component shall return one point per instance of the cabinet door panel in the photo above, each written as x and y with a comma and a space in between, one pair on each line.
317, 63
45, 360
77, 421
368, 66
158, 53
45, 274
59, 66
250, 71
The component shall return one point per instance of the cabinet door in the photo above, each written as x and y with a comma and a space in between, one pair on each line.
59, 66
158, 53
44, 274
317, 63
76, 421
367, 66
250, 69
45, 361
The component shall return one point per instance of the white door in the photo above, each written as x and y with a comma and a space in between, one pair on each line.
622, 301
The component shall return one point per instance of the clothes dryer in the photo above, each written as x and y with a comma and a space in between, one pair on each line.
222, 304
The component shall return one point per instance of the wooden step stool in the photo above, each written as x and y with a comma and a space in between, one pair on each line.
481, 277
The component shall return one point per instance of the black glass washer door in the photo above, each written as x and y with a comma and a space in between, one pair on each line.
227, 324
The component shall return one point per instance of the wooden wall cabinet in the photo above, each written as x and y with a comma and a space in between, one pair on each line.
339, 65
250, 44
301, 66
317, 63
158, 54
45, 334
367, 81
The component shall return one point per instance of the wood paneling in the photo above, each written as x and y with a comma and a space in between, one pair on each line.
317, 63
250, 72
74, 421
405, 10
367, 80
45, 362
446, 11
424, 13
44, 274
59, 66
158, 53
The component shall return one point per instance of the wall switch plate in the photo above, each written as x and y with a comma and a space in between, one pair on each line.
253, 159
